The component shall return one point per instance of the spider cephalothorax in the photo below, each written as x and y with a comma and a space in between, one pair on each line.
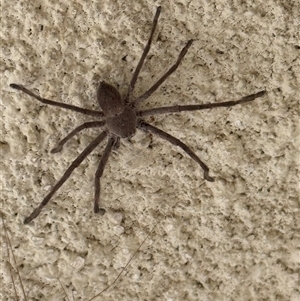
121, 117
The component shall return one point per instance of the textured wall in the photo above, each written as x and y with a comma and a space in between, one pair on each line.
234, 239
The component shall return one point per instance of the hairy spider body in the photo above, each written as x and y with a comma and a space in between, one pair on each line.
120, 119
124, 124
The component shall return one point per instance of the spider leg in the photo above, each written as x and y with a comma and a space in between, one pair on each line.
165, 76
117, 143
175, 109
56, 103
83, 126
146, 127
65, 176
142, 59
99, 173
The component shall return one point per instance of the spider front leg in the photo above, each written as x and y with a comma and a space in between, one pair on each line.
172, 69
83, 126
142, 59
65, 176
146, 127
205, 106
57, 103
110, 145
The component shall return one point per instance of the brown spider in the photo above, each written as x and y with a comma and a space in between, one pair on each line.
121, 118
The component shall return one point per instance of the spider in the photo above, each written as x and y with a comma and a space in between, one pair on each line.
120, 117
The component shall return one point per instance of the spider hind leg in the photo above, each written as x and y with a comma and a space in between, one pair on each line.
146, 127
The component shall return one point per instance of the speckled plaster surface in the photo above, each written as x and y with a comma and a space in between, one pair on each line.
234, 239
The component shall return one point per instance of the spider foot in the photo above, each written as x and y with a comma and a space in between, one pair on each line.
56, 149
27, 220
15, 86
207, 177
33, 215
98, 210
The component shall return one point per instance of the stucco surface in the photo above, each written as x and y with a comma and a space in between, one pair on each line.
234, 239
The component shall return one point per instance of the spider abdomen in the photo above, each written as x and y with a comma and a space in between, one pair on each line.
124, 124
109, 99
